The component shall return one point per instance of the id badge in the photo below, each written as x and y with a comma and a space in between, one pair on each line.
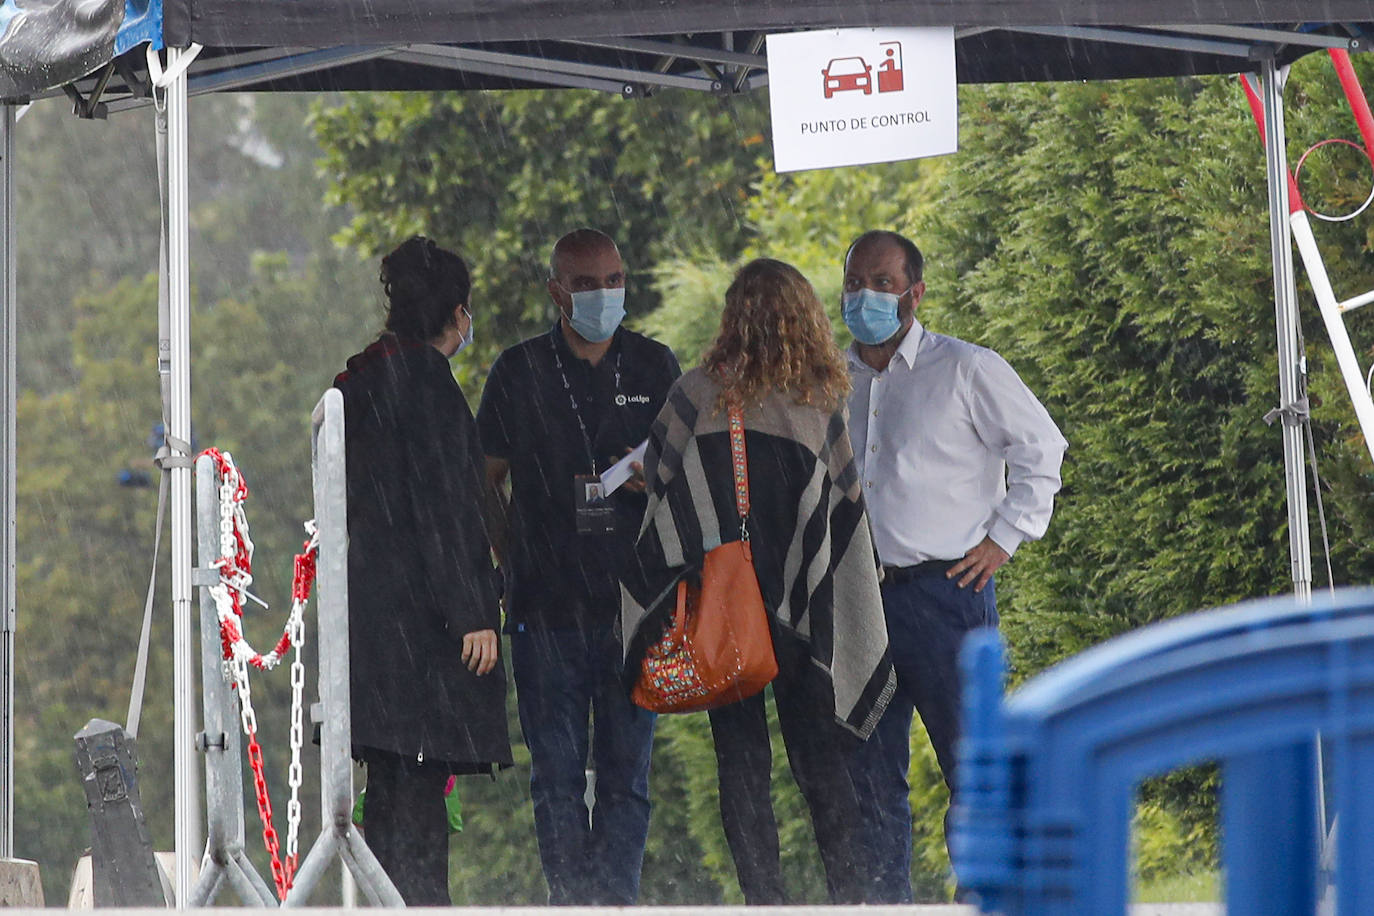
595, 514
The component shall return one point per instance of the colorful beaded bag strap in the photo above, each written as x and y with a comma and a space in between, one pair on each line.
740, 460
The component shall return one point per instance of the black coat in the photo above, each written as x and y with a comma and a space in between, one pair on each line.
419, 562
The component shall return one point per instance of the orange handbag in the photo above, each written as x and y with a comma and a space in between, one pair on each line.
717, 648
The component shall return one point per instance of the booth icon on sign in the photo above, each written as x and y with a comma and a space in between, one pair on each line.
890, 70
846, 73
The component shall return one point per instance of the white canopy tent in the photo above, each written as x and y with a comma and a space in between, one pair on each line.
629, 48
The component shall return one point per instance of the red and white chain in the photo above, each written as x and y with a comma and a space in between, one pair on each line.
236, 574
302, 578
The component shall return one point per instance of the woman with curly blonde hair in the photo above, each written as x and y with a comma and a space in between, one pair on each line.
775, 357
775, 337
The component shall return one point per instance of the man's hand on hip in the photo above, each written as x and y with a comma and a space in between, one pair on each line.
979, 563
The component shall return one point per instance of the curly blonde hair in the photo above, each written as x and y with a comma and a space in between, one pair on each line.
775, 336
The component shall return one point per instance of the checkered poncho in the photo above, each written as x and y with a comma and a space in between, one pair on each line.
809, 534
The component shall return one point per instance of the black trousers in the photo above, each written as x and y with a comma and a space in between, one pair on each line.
817, 750
405, 823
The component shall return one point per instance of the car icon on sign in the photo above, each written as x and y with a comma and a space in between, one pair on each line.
844, 73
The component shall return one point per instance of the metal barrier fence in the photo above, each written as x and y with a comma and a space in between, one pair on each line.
1047, 776
227, 862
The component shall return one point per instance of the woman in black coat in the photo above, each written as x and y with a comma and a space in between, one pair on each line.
428, 691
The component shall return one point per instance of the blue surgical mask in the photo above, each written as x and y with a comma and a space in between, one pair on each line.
871, 316
596, 313
467, 338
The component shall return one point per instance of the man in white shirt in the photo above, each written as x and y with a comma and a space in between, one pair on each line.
959, 464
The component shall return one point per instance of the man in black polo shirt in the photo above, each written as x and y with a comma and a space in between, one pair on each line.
559, 409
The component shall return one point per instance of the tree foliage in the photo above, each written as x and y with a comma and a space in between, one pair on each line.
500, 176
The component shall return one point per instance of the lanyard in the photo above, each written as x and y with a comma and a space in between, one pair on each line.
572, 399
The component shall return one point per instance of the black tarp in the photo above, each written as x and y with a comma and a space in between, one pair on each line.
45, 43
989, 47
995, 56
318, 23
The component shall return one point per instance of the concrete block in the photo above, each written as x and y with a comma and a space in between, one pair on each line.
82, 893
126, 873
19, 883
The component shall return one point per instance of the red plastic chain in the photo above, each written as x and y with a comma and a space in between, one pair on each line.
283, 874
303, 572
280, 876
240, 561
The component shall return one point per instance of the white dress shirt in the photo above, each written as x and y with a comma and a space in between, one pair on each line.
951, 447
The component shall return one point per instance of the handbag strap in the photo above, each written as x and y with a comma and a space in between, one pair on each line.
740, 459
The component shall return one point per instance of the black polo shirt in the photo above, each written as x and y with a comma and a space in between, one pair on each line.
556, 577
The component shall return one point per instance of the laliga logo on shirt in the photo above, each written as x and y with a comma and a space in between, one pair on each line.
621, 400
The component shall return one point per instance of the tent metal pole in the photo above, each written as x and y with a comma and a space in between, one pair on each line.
178, 441
8, 391
1292, 362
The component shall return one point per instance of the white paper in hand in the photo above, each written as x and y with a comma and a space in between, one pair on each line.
618, 473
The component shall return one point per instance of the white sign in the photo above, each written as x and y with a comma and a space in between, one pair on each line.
858, 96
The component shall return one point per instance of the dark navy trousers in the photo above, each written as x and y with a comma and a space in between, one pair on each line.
928, 617
563, 678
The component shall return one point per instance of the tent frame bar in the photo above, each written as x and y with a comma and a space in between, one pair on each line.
136, 84
187, 828
507, 71
8, 396
89, 107
1140, 39
643, 81
674, 49
572, 74
742, 79
566, 67
234, 77
1269, 36
235, 71
295, 65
